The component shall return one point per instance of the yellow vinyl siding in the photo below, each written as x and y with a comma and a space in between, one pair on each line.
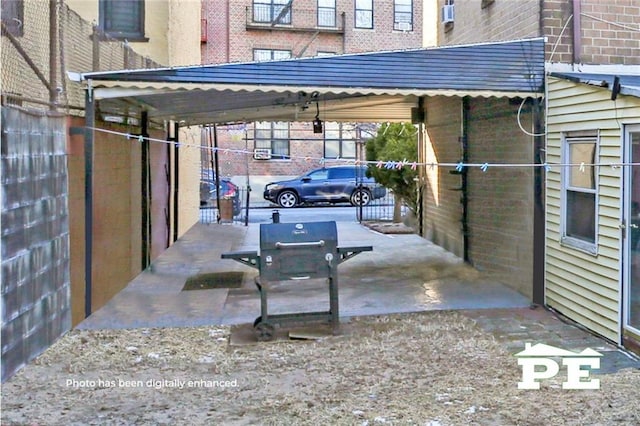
582, 286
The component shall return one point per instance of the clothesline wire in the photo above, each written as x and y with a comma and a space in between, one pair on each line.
382, 164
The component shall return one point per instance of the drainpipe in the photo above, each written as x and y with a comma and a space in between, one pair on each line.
53, 23
464, 199
88, 197
538, 209
577, 32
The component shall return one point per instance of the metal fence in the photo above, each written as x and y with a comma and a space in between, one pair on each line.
233, 210
381, 209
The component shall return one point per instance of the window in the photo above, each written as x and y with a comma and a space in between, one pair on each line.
403, 15
273, 136
339, 141
12, 12
272, 11
579, 191
270, 54
323, 53
123, 19
364, 13
326, 13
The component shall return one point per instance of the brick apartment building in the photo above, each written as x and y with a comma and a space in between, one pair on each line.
263, 30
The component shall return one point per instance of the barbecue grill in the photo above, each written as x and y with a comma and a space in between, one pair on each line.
293, 252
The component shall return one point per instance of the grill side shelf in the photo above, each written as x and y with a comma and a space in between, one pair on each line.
346, 253
249, 258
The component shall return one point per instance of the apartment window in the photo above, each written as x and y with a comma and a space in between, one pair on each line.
273, 136
12, 12
364, 13
579, 191
123, 19
270, 54
325, 53
403, 15
272, 11
326, 13
339, 141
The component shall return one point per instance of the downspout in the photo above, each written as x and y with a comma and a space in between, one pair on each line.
144, 190
464, 197
53, 23
538, 209
88, 197
577, 31
216, 168
176, 176
421, 169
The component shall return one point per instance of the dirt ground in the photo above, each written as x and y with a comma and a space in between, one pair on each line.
433, 368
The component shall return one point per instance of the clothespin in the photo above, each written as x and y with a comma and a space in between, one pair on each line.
379, 164
484, 167
414, 165
459, 167
581, 167
547, 168
140, 138
389, 165
432, 166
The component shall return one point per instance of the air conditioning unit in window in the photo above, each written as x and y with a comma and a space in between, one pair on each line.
403, 26
447, 14
262, 154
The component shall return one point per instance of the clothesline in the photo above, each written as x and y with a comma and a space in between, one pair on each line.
458, 166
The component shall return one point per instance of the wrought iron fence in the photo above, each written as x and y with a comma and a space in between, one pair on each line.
381, 209
232, 210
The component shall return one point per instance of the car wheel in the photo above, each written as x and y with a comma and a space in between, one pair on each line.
360, 197
287, 199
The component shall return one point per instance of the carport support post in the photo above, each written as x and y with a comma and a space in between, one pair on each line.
538, 209
176, 191
145, 188
88, 197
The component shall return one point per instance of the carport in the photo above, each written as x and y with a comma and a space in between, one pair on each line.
367, 87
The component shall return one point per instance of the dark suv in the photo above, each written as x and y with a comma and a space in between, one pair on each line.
331, 184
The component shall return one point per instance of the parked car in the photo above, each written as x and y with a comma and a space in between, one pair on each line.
336, 184
208, 193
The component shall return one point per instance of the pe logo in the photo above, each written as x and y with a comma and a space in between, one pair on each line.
539, 362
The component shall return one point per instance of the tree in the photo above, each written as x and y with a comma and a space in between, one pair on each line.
396, 142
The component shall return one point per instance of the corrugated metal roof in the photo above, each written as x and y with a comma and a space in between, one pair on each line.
629, 84
347, 86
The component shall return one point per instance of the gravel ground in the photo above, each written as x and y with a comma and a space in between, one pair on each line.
433, 368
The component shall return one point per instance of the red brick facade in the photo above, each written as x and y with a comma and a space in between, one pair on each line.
231, 36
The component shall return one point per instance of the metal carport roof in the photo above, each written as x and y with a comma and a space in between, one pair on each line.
381, 86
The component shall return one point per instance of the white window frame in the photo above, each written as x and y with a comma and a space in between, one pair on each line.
398, 15
358, 11
326, 9
569, 138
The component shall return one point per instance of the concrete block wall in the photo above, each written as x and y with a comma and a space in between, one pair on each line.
442, 217
35, 288
501, 200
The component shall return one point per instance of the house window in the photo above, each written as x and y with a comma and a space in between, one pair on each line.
12, 12
579, 191
364, 13
326, 13
123, 19
403, 15
273, 136
272, 11
339, 141
270, 54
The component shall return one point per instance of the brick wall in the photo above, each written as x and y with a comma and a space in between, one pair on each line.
442, 209
501, 20
501, 199
229, 40
608, 29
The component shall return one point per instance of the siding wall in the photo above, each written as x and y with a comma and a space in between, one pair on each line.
584, 287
